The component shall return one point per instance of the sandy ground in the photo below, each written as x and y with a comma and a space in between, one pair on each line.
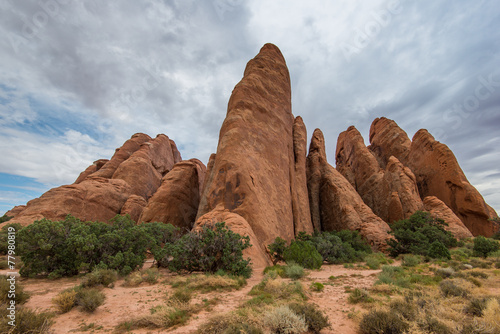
123, 303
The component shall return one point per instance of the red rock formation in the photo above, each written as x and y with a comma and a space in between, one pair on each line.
133, 207
253, 174
176, 201
91, 169
144, 169
436, 170
438, 209
439, 174
300, 197
105, 188
335, 204
97, 199
388, 139
122, 154
15, 210
391, 192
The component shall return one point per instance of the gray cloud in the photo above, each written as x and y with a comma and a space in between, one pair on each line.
119, 67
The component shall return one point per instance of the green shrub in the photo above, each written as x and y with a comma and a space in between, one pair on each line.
439, 251
373, 261
382, 322
5, 218
316, 286
410, 260
10, 292
304, 254
484, 246
294, 271
4, 235
283, 320
210, 249
314, 318
277, 249
27, 321
104, 277
340, 247
64, 248
89, 299
277, 269
416, 234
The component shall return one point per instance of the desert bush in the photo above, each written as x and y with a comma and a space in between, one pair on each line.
454, 288
89, 299
270, 289
4, 219
210, 249
416, 234
209, 282
432, 325
182, 295
375, 260
277, 249
276, 270
340, 247
405, 308
6, 295
64, 248
104, 277
484, 246
316, 286
282, 320
359, 296
150, 275
410, 260
304, 254
438, 250
27, 321
228, 323
445, 272
476, 306
65, 300
294, 271
4, 235
382, 322
313, 317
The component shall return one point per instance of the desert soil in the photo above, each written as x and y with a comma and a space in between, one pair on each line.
123, 303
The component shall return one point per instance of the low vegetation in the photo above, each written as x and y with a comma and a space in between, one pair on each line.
421, 234
72, 246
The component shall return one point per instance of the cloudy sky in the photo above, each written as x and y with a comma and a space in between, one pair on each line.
78, 78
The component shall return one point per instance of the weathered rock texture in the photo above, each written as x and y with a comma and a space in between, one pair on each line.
133, 207
391, 192
108, 188
436, 170
176, 201
335, 204
438, 209
254, 172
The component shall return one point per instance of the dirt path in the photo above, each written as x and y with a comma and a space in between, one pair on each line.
124, 303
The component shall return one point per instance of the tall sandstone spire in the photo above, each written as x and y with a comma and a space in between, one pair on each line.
254, 178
